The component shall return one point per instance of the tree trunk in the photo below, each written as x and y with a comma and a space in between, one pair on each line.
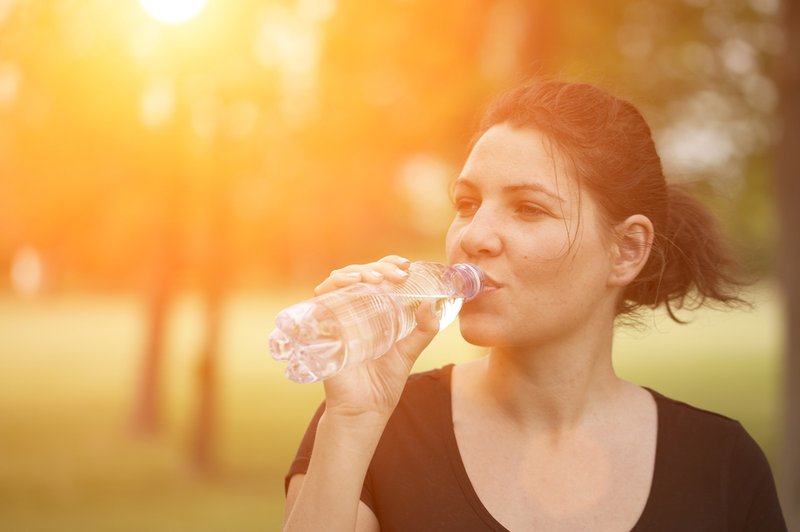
216, 261
203, 448
147, 409
788, 192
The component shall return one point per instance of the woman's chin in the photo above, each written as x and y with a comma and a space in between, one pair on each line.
478, 334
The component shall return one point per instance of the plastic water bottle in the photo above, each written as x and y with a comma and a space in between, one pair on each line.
320, 336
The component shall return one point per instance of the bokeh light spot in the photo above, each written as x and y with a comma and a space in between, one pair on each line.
172, 11
27, 271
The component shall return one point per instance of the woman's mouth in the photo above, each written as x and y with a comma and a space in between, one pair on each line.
489, 284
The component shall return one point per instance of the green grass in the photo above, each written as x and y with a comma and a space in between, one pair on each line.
68, 461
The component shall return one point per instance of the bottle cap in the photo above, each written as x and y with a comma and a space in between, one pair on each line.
468, 279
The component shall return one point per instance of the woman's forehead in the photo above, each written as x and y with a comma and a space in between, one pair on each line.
516, 158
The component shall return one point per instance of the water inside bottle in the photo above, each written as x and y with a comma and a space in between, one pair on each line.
445, 309
316, 345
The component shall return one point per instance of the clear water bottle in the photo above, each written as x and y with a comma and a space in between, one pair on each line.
320, 336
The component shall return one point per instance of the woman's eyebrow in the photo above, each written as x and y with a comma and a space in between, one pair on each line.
533, 187
511, 189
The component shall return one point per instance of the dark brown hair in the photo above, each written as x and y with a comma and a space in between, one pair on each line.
609, 144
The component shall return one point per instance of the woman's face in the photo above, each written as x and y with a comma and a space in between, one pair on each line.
522, 218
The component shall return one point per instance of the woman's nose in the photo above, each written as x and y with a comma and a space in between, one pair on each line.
481, 236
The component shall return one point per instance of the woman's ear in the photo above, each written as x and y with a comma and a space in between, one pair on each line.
633, 242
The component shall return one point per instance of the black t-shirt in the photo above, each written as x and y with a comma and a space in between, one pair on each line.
709, 473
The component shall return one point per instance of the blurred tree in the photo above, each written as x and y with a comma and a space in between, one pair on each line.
788, 198
211, 133
216, 274
163, 256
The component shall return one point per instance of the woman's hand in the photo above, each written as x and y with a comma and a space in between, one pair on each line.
369, 391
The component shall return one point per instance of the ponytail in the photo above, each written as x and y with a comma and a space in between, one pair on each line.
689, 265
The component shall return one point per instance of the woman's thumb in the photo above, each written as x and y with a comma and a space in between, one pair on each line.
410, 347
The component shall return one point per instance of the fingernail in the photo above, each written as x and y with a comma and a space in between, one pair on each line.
404, 260
353, 275
377, 275
401, 273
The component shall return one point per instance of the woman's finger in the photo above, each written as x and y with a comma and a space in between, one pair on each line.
338, 279
391, 268
401, 262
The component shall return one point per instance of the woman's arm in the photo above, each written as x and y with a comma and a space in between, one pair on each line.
327, 496
366, 521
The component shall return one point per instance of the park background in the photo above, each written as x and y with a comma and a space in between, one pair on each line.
167, 186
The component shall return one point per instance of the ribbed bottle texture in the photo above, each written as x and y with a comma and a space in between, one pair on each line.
320, 336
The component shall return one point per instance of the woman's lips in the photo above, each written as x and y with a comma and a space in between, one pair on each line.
489, 284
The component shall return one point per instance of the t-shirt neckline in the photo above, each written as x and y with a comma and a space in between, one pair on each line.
460, 470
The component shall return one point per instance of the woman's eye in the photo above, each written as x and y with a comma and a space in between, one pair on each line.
530, 210
466, 207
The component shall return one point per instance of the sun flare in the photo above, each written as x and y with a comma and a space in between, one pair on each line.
172, 11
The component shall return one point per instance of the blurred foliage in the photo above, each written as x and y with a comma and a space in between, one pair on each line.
293, 137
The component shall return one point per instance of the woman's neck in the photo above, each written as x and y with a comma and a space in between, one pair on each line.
553, 387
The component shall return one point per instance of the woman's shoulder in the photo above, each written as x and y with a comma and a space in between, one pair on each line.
675, 410
428, 386
431, 376
698, 452
682, 425
421, 415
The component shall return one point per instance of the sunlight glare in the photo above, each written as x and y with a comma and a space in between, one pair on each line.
172, 11
27, 271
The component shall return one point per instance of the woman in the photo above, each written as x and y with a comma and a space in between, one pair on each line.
563, 204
